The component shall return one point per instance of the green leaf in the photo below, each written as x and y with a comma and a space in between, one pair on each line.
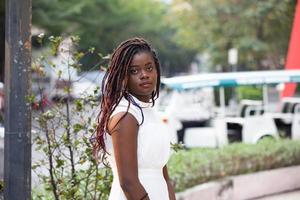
77, 127
75, 39
78, 55
54, 44
30, 99
48, 115
78, 104
59, 163
35, 166
177, 146
59, 73
40, 38
91, 49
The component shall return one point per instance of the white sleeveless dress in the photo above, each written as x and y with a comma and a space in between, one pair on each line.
153, 151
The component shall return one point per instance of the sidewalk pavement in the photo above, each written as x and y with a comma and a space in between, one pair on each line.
292, 195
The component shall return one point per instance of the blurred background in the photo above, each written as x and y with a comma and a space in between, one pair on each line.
190, 36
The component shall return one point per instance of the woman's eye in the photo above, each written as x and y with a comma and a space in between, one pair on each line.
133, 71
149, 68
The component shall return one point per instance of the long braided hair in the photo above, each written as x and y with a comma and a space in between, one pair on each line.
114, 86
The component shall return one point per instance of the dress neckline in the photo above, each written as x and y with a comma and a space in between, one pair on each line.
140, 103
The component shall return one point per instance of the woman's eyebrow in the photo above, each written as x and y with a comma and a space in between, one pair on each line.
132, 66
149, 63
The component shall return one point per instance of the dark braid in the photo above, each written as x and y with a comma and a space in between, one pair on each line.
114, 86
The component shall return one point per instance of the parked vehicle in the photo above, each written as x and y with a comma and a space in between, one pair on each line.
286, 119
251, 125
296, 124
83, 87
58, 77
95, 76
246, 127
52, 87
59, 80
253, 122
183, 109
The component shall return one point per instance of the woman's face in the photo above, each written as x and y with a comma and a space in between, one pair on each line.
142, 77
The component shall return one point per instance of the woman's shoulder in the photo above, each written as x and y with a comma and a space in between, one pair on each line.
126, 106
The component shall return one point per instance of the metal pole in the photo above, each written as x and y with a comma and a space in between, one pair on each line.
222, 101
17, 146
265, 97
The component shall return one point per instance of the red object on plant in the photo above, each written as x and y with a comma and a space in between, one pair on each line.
36, 105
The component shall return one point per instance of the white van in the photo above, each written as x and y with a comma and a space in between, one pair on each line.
184, 109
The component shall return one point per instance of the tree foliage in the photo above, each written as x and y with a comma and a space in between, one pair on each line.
105, 23
259, 29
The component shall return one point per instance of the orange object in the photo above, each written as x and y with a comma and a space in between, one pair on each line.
293, 57
165, 120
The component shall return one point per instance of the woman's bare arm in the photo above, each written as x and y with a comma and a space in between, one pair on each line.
124, 136
168, 181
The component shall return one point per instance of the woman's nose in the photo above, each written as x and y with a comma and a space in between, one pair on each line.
144, 74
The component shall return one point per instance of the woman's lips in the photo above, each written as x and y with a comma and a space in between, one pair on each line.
146, 84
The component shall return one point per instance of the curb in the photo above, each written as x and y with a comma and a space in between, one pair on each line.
246, 186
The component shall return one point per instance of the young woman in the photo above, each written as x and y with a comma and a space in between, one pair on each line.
129, 131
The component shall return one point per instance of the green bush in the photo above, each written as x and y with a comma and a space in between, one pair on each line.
196, 166
249, 92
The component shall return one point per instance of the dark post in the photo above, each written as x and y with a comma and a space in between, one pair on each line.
17, 146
